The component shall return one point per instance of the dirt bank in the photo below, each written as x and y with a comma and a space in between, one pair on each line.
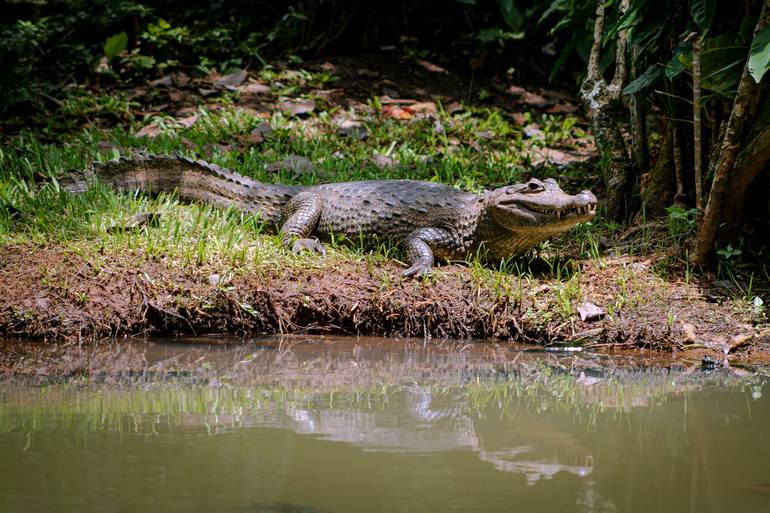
65, 292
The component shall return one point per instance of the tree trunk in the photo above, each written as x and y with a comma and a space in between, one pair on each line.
658, 186
598, 97
749, 163
723, 168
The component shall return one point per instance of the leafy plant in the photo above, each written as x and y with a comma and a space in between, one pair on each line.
114, 45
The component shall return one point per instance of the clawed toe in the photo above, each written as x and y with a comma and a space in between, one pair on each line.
313, 245
417, 271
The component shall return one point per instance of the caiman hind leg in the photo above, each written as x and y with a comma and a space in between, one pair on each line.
300, 218
419, 247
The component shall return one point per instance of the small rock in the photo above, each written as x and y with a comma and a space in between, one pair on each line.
589, 312
214, 280
204, 91
688, 332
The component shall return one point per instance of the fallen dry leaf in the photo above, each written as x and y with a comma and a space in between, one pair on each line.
152, 130
352, 128
422, 108
367, 73
395, 112
263, 128
388, 100
383, 161
454, 107
562, 108
589, 312
255, 88
188, 121
294, 163
298, 107
533, 131
738, 341
232, 80
430, 66
163, 81
527, 97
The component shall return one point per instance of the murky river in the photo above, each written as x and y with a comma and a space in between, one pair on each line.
336, 425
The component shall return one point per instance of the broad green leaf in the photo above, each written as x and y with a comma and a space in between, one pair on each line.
499, 36
702, 12
759, 59
644, 80
679, 61
511, 14
721, 64
115, 44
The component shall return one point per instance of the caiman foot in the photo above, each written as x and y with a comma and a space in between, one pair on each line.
313, 245
417, 271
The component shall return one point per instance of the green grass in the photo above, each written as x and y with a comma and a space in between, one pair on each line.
32, 208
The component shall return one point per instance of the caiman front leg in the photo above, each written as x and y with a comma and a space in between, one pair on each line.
300, 218
419, 246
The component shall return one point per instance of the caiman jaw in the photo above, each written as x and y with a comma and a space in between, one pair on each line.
540, 206
589, 209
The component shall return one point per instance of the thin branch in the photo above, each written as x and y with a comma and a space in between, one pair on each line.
616, 86
696, 121
680, 195
596, 48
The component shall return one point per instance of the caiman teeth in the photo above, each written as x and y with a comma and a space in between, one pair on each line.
556, 212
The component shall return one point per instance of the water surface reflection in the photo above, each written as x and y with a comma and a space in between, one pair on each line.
354, 425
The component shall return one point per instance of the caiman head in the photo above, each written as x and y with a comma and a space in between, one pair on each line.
526, 214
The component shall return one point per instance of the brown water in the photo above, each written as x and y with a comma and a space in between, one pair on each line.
323, 425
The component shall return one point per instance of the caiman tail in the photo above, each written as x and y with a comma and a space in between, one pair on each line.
192, 180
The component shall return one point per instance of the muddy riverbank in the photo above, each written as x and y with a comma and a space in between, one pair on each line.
76, 292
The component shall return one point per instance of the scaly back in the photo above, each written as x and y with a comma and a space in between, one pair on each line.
193, 180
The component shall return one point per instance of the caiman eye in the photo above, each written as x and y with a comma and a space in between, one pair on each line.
534, 187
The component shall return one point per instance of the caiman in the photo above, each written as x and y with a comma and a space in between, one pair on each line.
427, 220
